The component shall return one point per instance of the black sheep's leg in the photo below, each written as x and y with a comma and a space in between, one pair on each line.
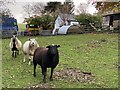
44, 70
51, 79
15, 54
12, 53
35, 69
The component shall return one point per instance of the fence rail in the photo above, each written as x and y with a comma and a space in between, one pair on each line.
7, 33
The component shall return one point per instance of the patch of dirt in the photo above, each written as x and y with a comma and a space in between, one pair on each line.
69, 74
74, 75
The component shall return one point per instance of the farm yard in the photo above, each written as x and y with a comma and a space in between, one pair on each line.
86, 61
86, 32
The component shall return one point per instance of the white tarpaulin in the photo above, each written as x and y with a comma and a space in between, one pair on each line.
63, 29
58, 23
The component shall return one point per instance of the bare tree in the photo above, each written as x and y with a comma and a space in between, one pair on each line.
67, 7
5, 2
4, 10
82, 8
38, 8
28, 9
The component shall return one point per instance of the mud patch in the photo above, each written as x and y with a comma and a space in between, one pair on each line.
68, 74
74, 75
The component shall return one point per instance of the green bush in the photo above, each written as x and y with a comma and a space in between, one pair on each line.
88, 18
44, 21
85, 19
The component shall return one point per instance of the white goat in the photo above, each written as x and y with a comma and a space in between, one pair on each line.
15, 45
29, 48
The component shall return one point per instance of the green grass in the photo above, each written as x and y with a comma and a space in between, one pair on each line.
95, 53
21, 27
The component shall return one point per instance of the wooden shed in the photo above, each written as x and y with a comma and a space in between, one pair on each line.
112, 19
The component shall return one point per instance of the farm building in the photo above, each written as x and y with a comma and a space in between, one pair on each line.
65, 23
112, 20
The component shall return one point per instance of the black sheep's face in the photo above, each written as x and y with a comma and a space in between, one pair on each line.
52, 49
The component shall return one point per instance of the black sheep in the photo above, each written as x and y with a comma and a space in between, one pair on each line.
47, 58
15, 45
15, 51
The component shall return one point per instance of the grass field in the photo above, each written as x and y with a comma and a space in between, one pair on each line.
22, 27
96, 54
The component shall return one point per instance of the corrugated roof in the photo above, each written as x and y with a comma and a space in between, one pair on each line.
109, 14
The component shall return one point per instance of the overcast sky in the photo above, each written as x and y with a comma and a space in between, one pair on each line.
18, 13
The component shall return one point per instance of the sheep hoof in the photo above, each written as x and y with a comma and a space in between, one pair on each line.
34, 75
44, 81
51, 79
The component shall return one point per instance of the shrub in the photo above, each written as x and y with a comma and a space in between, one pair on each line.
85, 19
88, 18
44, 21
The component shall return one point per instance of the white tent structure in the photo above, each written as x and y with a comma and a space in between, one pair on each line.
63, 23
58, 23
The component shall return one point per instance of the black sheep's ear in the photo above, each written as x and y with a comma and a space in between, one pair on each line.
48, 47
29, 39
58, 46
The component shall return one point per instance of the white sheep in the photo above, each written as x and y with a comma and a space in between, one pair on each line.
29, 48
15, 45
